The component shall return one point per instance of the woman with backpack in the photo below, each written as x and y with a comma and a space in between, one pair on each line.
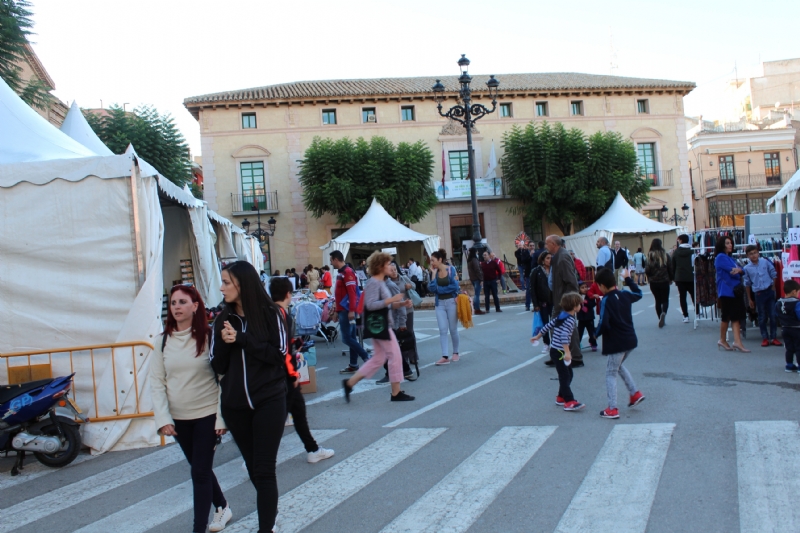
249, 350
444, 284
659, 274
186, 400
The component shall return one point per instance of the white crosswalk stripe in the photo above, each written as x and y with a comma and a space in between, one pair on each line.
769, 476
626, 472
478, 480
307, 503
159, 508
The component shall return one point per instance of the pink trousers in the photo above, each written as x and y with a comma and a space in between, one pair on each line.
385, 351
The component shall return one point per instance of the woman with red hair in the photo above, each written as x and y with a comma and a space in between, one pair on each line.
186, 400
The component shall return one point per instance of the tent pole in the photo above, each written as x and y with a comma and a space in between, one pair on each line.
137, 233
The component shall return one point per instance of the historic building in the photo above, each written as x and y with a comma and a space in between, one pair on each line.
32, 67
253, 139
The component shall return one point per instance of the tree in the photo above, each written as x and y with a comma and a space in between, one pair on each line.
154, 136
564, 177
342, 177
15, 27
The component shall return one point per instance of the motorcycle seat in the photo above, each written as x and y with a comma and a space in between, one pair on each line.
9, 392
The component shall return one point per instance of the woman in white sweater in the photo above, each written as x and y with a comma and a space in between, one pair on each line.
186, 400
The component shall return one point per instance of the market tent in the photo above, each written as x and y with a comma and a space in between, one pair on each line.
619, 218
788, 191
377, 226
76, 126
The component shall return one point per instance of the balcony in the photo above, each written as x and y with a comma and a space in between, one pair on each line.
748, 181
658, 178
245, 204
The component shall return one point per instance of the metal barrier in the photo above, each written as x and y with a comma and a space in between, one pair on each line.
124, 346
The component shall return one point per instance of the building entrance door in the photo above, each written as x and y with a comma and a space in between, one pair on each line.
460, 231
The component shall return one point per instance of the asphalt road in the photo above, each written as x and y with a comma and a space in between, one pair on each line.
484, 449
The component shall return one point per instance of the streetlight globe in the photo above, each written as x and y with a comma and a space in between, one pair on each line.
664, 209
438, 91
493, 85
463, 64
246, 225
685, 208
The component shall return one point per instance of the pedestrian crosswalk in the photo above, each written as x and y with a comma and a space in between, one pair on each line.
626, 470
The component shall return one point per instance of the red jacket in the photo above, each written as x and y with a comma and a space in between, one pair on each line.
346, 283
326, 280
580, 268
500, 265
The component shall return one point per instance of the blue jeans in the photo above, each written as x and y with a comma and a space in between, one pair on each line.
765, 303
447, 319
526, 286
476, 299
349, 338
490, 287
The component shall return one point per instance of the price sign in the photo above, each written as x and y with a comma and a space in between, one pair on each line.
794, 235
793, 270
751, 239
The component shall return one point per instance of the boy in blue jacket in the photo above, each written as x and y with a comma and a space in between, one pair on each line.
788, 313
619, 337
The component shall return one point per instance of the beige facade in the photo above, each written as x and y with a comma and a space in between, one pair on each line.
773, 94
269, 128
32, 67
734, 173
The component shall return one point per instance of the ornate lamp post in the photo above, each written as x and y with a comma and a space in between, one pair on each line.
260, 233
676, 219
467, 114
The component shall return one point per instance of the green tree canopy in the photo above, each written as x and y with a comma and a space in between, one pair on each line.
154, 136
567, 177
15, 27
341, 177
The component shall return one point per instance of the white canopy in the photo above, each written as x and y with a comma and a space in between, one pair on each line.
619, 218
377, 226
788, 191
76, 126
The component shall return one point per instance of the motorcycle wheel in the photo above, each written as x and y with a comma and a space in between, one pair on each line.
64, 457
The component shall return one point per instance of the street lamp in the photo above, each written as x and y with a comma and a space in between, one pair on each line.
260, 233
676, 218
467, 114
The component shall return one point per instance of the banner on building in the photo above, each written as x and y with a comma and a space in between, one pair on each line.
460, 188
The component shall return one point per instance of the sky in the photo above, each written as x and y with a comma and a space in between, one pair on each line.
160, 52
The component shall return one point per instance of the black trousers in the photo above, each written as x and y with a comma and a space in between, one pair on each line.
197, 439
297, 407
660, 292
258, 433
684, 288
587, 325
791, 340
490, 288
564, 375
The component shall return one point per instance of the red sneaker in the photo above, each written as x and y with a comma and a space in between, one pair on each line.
636, 399
560, 401
573, 406
609, 413
764, 343
776, 342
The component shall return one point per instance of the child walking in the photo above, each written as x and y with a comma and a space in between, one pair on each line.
585, 315
789, 317
561, 329
616, 322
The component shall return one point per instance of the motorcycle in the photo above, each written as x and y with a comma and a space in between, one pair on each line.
29, 422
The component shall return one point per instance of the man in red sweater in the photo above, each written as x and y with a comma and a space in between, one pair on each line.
346, 283
491, 273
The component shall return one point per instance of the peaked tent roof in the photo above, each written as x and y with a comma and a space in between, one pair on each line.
26, 136
378, 226
622, 218
792, 185
76, 126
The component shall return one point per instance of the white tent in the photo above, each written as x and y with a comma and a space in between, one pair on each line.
788, 191
76, 126
377, 226
620, 218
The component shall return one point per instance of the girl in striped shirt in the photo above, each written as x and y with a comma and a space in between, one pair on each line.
561, 329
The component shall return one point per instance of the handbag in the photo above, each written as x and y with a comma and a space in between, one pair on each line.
414, 296
537, 323
408, 347
376, 324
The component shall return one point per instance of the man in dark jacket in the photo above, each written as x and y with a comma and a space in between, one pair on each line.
523, 256
476, 277
563, 279
620, 259
683, 271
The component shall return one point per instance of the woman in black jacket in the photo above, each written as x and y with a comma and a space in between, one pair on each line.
659, 274
249, 350
541, 295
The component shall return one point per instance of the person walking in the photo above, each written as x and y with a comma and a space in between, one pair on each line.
281, 291
313, 278
683, 270
444, 286
533, 263
249, 351
185, 397
621, 259
659, 272
475, 273
563, 279
524, 266
540, 249
640, 262
405, 324
605, 257
541, 295
400, 318
730, 293
619, 337
376, 296
759, 278
585, 315
491, 271
788, 313
346, 283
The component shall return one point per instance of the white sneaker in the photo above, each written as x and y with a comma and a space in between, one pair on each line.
289, 421
686, 320
546, 348
319, 455
221, 518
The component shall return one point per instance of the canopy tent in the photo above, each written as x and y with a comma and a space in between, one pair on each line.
619, 218
76, 126
84, 246
377, 226
789, 192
